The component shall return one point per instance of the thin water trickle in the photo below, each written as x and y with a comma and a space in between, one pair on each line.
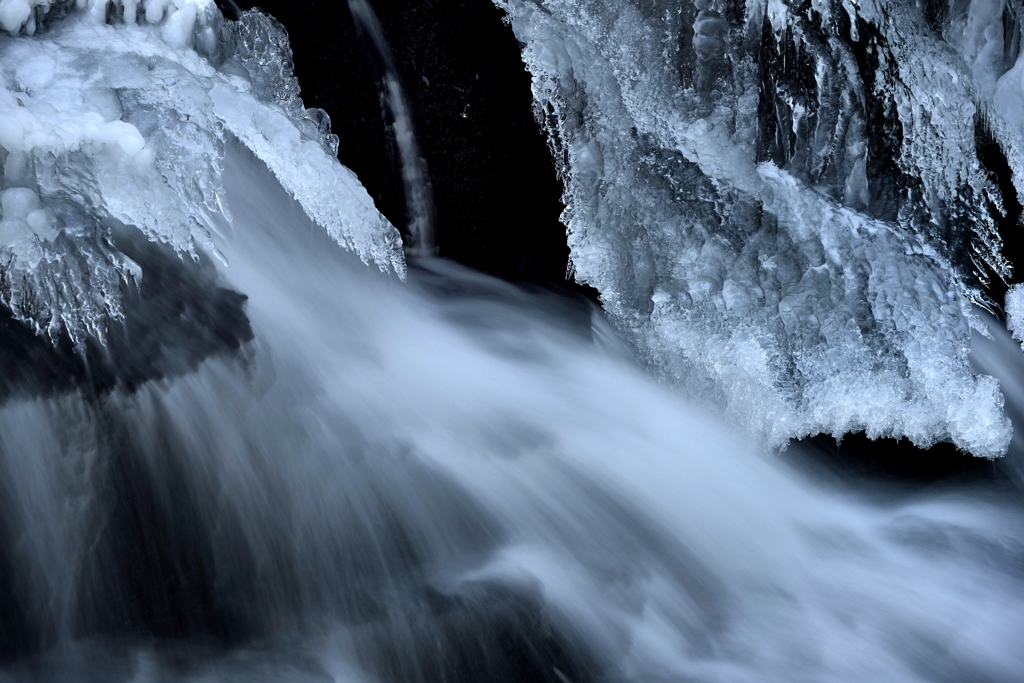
415, 178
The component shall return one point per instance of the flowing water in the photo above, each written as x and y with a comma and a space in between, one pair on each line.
445, 480
283, 465
415, 178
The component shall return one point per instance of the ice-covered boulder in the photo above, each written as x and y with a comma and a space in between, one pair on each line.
118, 112
781, 202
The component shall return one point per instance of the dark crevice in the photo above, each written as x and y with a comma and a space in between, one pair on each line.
1008, 217
888, 183
885, 465
497, 198
935, 13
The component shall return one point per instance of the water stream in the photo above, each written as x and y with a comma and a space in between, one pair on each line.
282, 464
445, 480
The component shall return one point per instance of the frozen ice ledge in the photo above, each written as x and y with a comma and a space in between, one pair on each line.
117, 113
781, 202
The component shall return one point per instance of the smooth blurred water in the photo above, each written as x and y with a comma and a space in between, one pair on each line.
449, 480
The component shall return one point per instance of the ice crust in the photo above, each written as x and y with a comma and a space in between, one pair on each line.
1015, 312
118, 113
782, 207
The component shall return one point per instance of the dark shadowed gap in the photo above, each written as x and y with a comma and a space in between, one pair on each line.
1008, 217
893, 466
496, 193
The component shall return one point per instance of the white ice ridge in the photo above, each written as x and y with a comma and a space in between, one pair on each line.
121, 111
784, 210
1015, 312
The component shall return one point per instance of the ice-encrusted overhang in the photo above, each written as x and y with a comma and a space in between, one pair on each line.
781, 203
119, 111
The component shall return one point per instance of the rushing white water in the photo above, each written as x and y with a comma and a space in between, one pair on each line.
398, 499
998, 355
353, 477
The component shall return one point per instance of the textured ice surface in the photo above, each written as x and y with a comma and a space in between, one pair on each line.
781, 203
119, 112
1015, 312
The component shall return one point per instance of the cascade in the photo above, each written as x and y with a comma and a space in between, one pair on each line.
241, 438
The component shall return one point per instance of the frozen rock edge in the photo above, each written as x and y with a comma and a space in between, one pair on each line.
726, 195
119, 112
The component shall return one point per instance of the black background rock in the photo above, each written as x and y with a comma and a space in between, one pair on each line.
496, 193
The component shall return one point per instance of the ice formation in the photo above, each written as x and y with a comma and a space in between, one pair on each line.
781, 202
117, 113
1015, 312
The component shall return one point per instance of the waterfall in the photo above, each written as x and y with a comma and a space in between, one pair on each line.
242, 439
